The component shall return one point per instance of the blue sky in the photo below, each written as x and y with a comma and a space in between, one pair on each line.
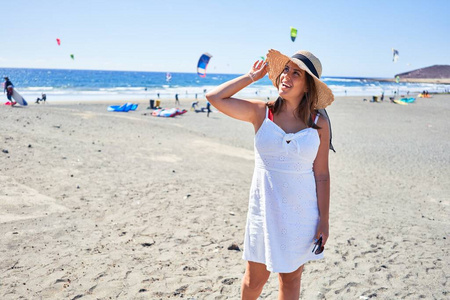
350, 37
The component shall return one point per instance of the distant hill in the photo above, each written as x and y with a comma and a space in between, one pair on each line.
433, 72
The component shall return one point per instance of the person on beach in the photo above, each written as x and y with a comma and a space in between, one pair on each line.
44, 98
287, 220
202, 109
8, 88
194, 105
177, 102
208, 108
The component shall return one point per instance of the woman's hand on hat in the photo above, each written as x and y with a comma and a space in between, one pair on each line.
258, 71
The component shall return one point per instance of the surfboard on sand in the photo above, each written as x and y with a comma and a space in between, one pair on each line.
400, 102
18, 98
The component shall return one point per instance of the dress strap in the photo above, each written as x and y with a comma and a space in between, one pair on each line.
317, 118
269, 114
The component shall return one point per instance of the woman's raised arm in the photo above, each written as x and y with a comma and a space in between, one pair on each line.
245, 110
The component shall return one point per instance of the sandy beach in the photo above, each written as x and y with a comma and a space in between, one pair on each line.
102, 205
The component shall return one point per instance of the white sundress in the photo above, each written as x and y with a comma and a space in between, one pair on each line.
283, 213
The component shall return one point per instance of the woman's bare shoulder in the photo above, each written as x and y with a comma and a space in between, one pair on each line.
322, 122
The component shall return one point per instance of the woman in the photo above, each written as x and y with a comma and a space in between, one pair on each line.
287, 222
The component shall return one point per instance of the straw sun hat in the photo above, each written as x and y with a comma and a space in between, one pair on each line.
306, 61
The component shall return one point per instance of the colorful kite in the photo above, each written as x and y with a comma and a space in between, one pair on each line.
293, 34
58, 41
202, 64
72, 56
394, 55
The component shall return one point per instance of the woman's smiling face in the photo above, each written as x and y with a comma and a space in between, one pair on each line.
292, 82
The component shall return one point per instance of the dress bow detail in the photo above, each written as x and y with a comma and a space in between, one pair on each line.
288, 138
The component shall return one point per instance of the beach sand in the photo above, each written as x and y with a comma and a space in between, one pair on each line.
101, 205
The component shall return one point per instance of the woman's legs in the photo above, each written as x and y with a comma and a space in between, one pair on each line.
255, 277
290, 284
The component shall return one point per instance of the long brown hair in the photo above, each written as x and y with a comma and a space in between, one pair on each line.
306, 106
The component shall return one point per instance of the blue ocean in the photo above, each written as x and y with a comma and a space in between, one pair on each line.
59, 84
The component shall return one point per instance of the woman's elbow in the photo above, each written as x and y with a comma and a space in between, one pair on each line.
211, 97
322, 172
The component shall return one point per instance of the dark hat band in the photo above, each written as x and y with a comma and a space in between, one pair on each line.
307, 62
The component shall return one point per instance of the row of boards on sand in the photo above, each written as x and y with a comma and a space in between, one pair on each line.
404, 101
18, 98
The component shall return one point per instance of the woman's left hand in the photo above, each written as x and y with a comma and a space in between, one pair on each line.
322, 230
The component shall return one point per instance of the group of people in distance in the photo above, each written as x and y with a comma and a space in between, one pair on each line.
206, 109
8, 88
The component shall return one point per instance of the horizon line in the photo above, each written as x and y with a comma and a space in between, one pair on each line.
63, 69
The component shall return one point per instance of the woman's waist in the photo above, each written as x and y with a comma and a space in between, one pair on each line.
286, 167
